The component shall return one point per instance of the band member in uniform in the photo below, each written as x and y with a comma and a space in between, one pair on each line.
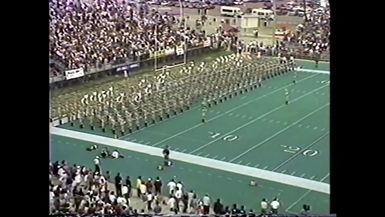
204, 110
287, 96
113, 124
91, 119
81, 116
121, 123
102, 123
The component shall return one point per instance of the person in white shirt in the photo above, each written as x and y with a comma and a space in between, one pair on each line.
115, 154
171, 186
112, 197
121, 200
150, 198
180, 186
206, 204
190, 196
171, 203
264, 206
125, 191
274, 206
97, 164
143, 190
178, 196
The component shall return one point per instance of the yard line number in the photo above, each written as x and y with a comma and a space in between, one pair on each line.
296, 149
228, 138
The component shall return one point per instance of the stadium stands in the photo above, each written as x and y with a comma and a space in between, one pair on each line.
93, 34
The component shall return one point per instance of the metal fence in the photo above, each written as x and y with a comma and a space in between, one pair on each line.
134, 67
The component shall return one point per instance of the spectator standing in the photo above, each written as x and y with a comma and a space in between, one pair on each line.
150, 198
234, 210
97, 164
190, 196
242, 211
149, 185
129, 185
172, 204
143, 190
138, 183
218, 207
274, 206
206, 204
178, 196
171, 187
118, 184
180, 185
185, 202
158, 186
125, 192
264, 206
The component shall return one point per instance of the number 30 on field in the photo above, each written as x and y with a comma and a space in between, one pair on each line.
295, 149
228, 138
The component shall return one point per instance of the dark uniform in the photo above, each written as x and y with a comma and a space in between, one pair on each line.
166, 154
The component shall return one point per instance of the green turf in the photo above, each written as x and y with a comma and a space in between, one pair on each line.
270, 135
230, 187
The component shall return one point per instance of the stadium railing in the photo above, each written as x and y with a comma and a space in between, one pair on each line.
132, 67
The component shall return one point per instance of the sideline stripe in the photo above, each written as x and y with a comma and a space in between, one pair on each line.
197, 160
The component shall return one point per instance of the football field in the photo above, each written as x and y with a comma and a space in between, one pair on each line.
252, 136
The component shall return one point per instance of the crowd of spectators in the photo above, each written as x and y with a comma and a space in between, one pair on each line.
78, 190
312, 37
90, 35
95, 33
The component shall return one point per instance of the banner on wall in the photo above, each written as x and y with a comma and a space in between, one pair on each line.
74, 73
170, 51
179, 51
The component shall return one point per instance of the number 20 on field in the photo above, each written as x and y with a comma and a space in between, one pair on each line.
295, 149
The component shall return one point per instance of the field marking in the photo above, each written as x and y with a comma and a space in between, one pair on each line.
184, 150
261, 116
228, 111
304, 195
176, 149
197, 160
239, 162
147, 143
256, 165
207, 155
223, 158
303, 175
314, 71
248, 164
215, 156
279, 132
292, 173
300, 152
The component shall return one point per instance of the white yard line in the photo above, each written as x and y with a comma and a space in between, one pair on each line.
197, 160
229, 111
252, 121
